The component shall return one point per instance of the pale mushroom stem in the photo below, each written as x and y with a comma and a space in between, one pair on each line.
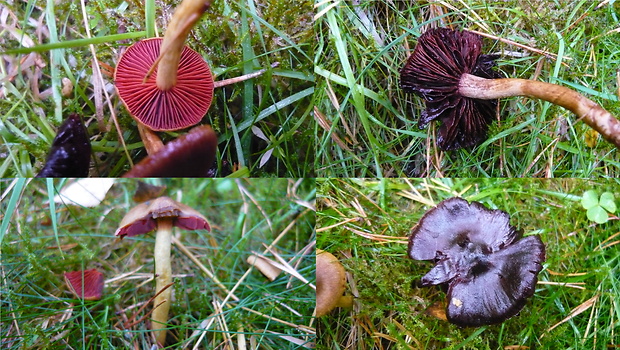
163, 277
591, 113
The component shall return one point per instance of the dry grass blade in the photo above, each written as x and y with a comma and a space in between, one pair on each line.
379, 238
246, 193
574, 312
309, 330
204, 269
99, 77
346, 221
604, 244
284, 266
529, 48
296, 341
326, 126
553, 273
564, 284
129, 323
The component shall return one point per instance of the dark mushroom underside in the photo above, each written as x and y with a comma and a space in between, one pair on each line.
433, 72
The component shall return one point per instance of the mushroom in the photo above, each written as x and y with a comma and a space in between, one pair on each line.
489, 269
145, 192
330, 284
69, 155
176, 107
161, 214
86, 284
190, 155
459, 87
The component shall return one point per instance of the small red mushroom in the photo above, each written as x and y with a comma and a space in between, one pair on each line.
179, 107
87, 284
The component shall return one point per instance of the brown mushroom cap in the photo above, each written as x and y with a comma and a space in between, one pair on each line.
91, 281
180, 107
330, 283
142, 218
190, 155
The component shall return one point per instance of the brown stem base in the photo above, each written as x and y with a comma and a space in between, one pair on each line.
152, 142
587, 110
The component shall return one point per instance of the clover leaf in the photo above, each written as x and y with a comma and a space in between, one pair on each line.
598, 207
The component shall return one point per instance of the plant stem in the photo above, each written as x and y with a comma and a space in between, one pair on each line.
163, 277
591, 113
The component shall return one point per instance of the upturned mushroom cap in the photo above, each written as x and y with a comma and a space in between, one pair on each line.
182, 106
489, 269
143, 217
190, 155
433, 72
91, 281
330, 283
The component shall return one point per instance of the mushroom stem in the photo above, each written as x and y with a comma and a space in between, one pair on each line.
163, 277
183, 20
591, 113
151, 141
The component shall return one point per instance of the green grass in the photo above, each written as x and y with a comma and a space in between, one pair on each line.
235, 37
370, 124
38, 311
390, 310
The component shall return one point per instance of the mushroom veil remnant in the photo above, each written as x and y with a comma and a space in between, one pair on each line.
489, 268
161, 214
460, 90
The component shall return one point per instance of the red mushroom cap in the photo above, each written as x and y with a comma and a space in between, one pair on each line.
182, 106
91, 281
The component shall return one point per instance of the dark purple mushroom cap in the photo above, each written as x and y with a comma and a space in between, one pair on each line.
69, 155
433, 72
489, 269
